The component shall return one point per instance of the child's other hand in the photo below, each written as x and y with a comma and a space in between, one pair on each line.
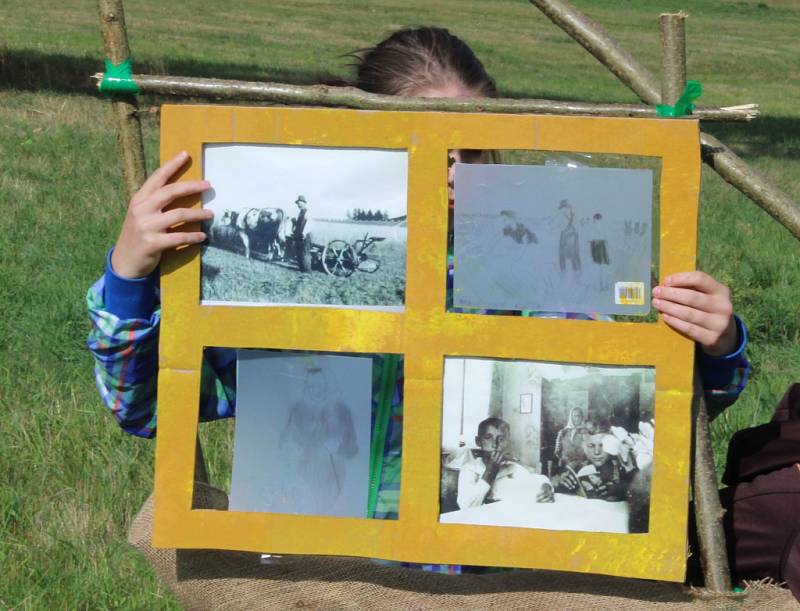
699, 307
566, 480
546, 494
602, 491
144, 234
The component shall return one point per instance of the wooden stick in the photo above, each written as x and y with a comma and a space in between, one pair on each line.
723, 160
707, 508
323, 95
124, 107
594, 38
673, 56
752, 183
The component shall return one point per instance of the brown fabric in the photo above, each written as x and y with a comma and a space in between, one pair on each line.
762, 521
762, 449
762, 525
207, 579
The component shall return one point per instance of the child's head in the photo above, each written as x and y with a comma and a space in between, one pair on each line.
593, 447
315, 386
494, 434
424, 62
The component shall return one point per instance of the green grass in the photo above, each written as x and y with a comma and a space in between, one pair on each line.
71, 480
229, 276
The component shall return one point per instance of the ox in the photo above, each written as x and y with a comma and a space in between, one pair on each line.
257, 229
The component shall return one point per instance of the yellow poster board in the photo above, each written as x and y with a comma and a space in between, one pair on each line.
424, 333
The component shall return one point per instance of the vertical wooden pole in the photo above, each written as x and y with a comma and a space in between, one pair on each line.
129, 132
708, 512
673, 56
124, 107
707, 509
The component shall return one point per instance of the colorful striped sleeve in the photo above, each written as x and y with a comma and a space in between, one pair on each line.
125, 355
125, 352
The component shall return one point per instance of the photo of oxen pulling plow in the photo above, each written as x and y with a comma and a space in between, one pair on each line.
299, 225
267, 234
264, 256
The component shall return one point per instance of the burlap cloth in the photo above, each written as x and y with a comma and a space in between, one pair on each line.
211, 579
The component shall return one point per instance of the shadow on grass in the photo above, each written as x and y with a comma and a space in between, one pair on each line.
765, 137
33, 71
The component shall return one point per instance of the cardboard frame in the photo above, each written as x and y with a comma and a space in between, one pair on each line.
424, 334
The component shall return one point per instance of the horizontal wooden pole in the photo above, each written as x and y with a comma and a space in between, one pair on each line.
323, 95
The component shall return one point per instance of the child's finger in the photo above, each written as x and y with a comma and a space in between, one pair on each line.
690, 314
696, 279
172, 218
159, 178
169, 193
691, 298
180, 238
694, 332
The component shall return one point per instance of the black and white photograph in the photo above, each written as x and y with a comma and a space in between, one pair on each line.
547, 445
553, 238
298, 225
302, 434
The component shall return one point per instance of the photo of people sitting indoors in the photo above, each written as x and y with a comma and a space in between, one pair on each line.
547, 445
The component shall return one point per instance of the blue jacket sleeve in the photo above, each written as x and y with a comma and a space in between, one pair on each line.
724, 377
123, 340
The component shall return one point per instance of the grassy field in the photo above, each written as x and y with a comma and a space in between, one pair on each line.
72, 481
236, 279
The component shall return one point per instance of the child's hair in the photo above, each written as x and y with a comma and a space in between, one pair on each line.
414, 59
497, 423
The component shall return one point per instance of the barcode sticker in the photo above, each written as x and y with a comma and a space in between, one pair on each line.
629, 293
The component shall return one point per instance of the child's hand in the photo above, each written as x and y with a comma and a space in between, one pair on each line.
699, 307
495, 460
546, 494
144, 234
566, 480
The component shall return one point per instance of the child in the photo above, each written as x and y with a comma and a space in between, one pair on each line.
124, 304
610, 469
493, 475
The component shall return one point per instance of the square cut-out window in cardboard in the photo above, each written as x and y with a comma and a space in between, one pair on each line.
404, 163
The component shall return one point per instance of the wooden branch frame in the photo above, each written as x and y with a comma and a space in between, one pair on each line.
350, 97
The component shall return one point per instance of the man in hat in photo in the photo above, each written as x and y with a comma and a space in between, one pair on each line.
301, 237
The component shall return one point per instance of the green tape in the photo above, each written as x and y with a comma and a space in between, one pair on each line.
684, 105
380, 427
119, 78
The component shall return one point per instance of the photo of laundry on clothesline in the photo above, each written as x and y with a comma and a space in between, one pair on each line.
547, 445
553, 238
300, 225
